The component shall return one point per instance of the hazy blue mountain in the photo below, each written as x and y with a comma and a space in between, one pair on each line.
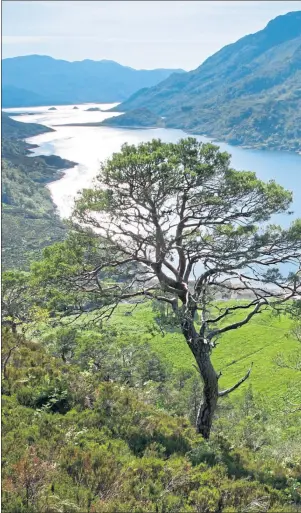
247, 93
41, 80
15, 96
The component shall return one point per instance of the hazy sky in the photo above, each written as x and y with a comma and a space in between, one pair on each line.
141, 34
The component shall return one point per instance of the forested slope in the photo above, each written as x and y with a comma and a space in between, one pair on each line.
29, 218
115, 437
248, 93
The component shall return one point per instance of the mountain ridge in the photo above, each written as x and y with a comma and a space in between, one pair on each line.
252, 87
42, 80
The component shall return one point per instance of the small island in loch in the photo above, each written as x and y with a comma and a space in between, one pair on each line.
95, 109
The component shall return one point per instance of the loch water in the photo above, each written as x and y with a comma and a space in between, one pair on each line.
88, 146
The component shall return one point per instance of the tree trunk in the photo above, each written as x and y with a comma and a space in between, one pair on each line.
201, 351
210, 394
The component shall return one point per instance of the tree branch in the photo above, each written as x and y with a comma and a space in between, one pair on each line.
236, 325
223, 393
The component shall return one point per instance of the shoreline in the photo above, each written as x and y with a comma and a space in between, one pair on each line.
260, 147
52, 162
55, 163
31, 219
101, 124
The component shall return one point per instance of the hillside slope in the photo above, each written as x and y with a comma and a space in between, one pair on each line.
137, 118
29, 219
13, 129
76, 442
248, 93
41, 80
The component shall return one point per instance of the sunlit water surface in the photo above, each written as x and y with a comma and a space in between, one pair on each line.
88, 146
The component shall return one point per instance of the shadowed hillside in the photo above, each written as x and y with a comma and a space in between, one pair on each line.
29, 219
248, 93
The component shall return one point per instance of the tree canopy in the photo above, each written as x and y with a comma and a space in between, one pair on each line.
183, 227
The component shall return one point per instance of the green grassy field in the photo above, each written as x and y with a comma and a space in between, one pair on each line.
259, 342
265, 337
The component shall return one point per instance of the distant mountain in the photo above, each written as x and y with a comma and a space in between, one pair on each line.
248, 93
41, 80
15, 96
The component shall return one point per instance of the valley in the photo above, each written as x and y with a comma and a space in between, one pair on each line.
151, 260
89, 145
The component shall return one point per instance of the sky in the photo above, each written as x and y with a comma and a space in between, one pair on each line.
140, 34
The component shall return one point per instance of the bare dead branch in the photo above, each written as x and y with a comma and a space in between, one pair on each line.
223, 393
236, 325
